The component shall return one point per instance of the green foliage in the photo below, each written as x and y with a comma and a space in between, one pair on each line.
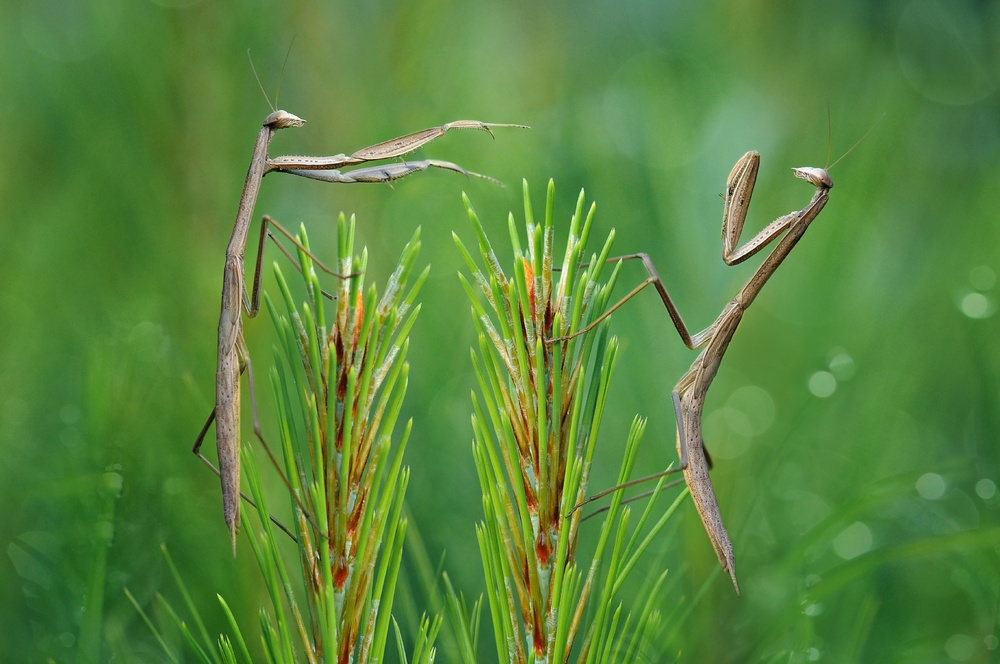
536, 429
338, 388
201, 644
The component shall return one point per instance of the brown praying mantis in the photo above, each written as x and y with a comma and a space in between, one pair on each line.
233, 357
689, 394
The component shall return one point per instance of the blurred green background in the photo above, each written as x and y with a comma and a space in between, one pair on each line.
855, 419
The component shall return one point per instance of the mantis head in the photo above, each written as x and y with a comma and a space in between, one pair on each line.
817, 177
283, 119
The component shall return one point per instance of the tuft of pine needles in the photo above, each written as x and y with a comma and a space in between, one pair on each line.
535, 427
339, 385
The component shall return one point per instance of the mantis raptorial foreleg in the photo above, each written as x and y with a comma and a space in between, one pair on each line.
383, 173
391, 149
232, 355
689, 393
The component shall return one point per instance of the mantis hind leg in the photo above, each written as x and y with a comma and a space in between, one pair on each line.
247, 366
642, 480
196, 449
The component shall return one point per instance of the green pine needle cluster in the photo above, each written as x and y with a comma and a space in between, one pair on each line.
536, 423
339, 385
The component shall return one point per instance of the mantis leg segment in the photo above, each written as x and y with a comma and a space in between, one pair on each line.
391, 149
691, 341
630, 483
252, 305
642, 480
197, 451
638, 496
246, 365
397, 147
383, 173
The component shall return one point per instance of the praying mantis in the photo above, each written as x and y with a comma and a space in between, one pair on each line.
233, 357
688, 395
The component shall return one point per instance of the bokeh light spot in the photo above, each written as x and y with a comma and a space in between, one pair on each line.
727, 433
977, 305
960, 647
931, 486
986, 489
853, 541
70, 413
982, 277
841, 364
813, 609
149, 342
756, 406
942, 53
822, 384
